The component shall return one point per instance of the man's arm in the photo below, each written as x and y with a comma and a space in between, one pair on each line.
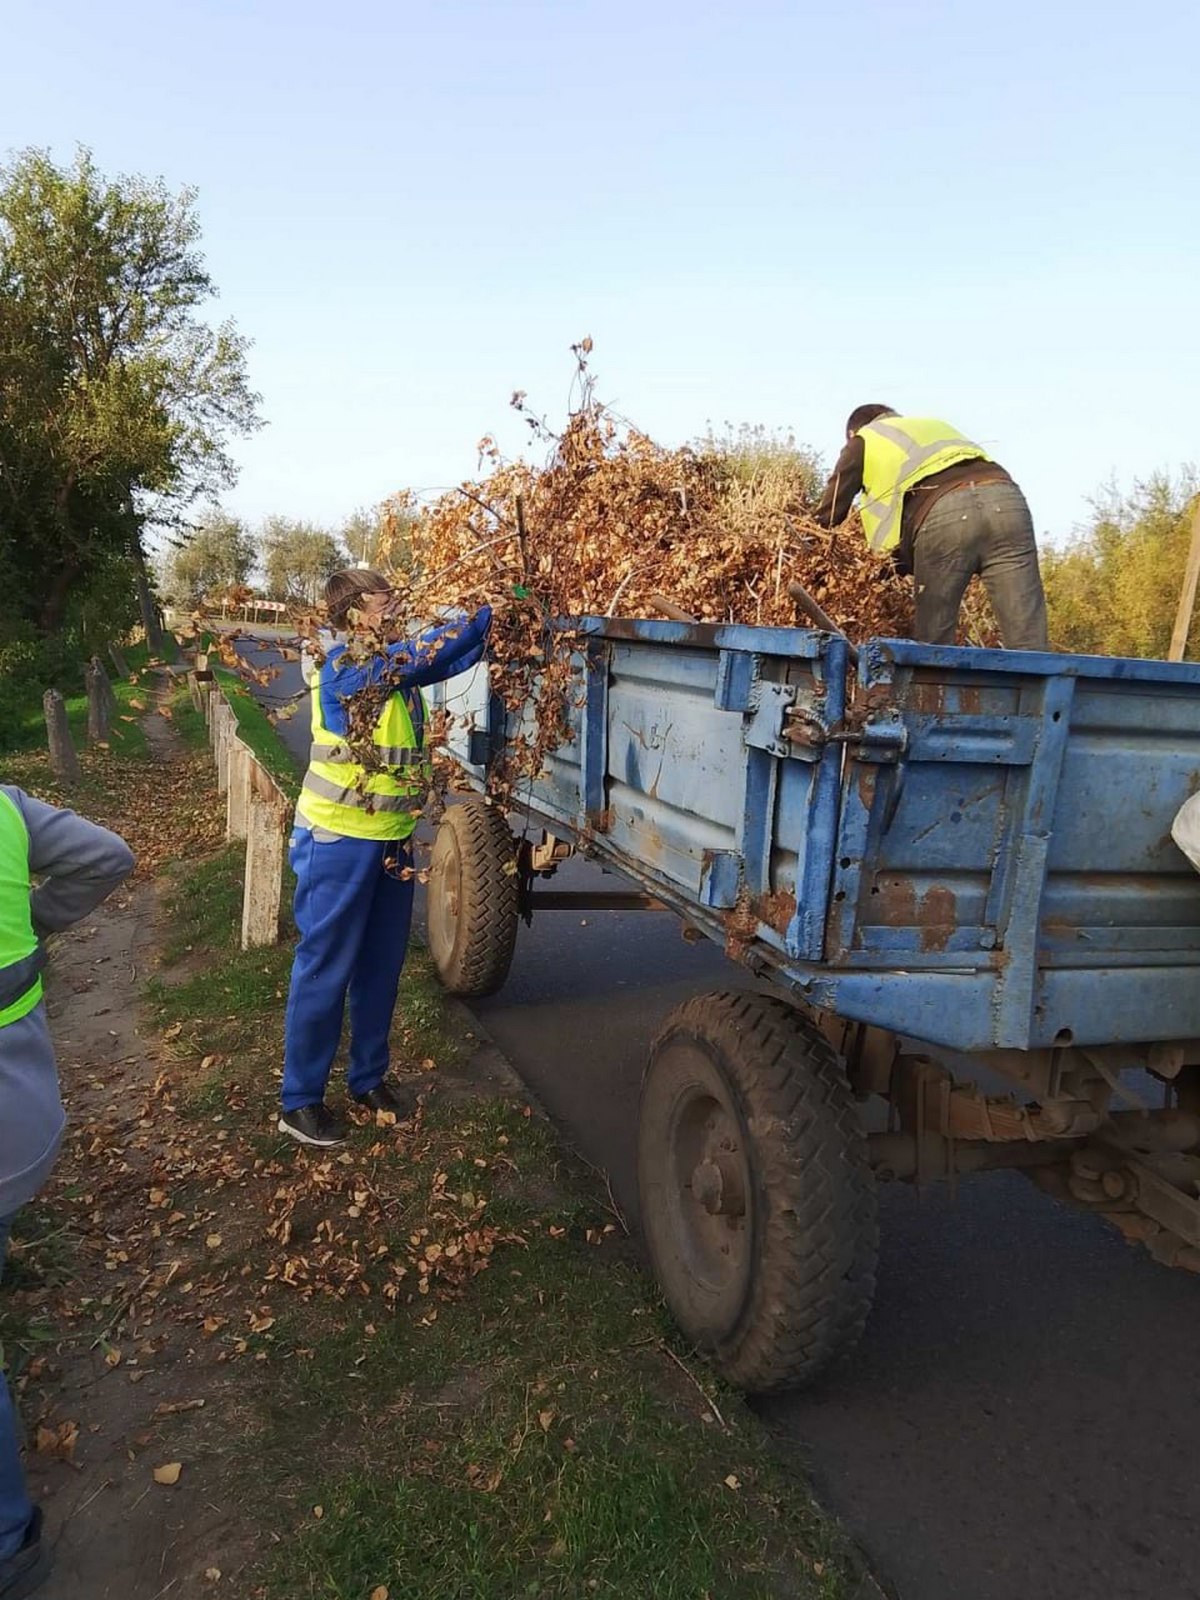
846, 482
431, 657
79, 862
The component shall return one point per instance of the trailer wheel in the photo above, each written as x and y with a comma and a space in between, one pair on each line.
758, 1203
472, 902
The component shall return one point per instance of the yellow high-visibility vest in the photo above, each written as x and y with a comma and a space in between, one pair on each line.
897, 453
18, 941
339, 793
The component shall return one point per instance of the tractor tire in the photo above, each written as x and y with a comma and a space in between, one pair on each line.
472, 900
758, 1203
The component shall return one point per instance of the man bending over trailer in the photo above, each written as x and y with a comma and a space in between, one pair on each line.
350, 852
944, 511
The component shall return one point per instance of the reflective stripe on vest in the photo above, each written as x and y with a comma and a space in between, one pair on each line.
389, 755
342, 794
20, 982
362, 800
898, 452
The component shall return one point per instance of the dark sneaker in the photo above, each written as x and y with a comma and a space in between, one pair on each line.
386, 1096
315, 1125
26, 1572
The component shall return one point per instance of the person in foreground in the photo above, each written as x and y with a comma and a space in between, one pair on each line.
351, 855
945, 511
79, 865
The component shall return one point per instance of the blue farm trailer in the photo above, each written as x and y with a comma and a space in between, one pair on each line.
940, 866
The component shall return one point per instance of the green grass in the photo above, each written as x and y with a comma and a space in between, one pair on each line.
230, 1000
202, 902
126, 738
534, 1439
189, 723
39, 1260
257, 730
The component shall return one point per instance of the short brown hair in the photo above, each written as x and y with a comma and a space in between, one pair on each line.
862, 415
344, 589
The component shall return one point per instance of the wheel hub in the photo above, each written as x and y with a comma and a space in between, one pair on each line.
718, 1186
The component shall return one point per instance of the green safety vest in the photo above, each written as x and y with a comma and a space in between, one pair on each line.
339, 793
17, 938
897, 453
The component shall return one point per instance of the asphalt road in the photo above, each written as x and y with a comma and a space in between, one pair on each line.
1022, 1418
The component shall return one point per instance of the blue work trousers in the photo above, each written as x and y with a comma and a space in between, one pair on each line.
16, 1509
353, 912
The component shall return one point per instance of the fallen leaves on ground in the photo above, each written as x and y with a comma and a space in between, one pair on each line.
164, 810
59, 1442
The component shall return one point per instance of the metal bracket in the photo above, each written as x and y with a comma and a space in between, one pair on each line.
882, 742
764, 729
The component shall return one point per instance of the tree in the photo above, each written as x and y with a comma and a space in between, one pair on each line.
760, 466
218, 555
117, 400
297, 558
396, 520
1114, 590
363, 536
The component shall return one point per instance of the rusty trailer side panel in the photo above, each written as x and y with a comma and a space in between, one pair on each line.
968, 847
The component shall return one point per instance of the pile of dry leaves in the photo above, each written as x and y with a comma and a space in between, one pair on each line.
612, 524
614, 520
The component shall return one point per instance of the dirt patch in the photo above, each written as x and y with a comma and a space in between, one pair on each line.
124, 1373
115, 1376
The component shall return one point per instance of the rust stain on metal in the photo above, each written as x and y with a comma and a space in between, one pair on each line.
598, 822
697, 633
925, 696
937, 917
865, 783
740, 923
651, 846
895, 905
776, 909
939, 699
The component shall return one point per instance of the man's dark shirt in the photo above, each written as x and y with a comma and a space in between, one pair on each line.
847, 481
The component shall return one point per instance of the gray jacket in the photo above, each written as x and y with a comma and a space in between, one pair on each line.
79, 865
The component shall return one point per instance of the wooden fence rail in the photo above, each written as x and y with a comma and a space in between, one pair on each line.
256, 810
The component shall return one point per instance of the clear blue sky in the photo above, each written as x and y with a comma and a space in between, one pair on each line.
762, 212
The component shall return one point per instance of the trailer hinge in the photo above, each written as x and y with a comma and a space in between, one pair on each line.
875, 741
774, 718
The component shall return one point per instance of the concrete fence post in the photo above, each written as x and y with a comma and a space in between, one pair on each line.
98, 701
237, 815
226, 733
58, 737
110, 694
266, 834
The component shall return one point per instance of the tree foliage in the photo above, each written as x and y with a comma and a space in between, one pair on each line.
1115, 589
364, 534
297, 557
219, 555
117, 398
